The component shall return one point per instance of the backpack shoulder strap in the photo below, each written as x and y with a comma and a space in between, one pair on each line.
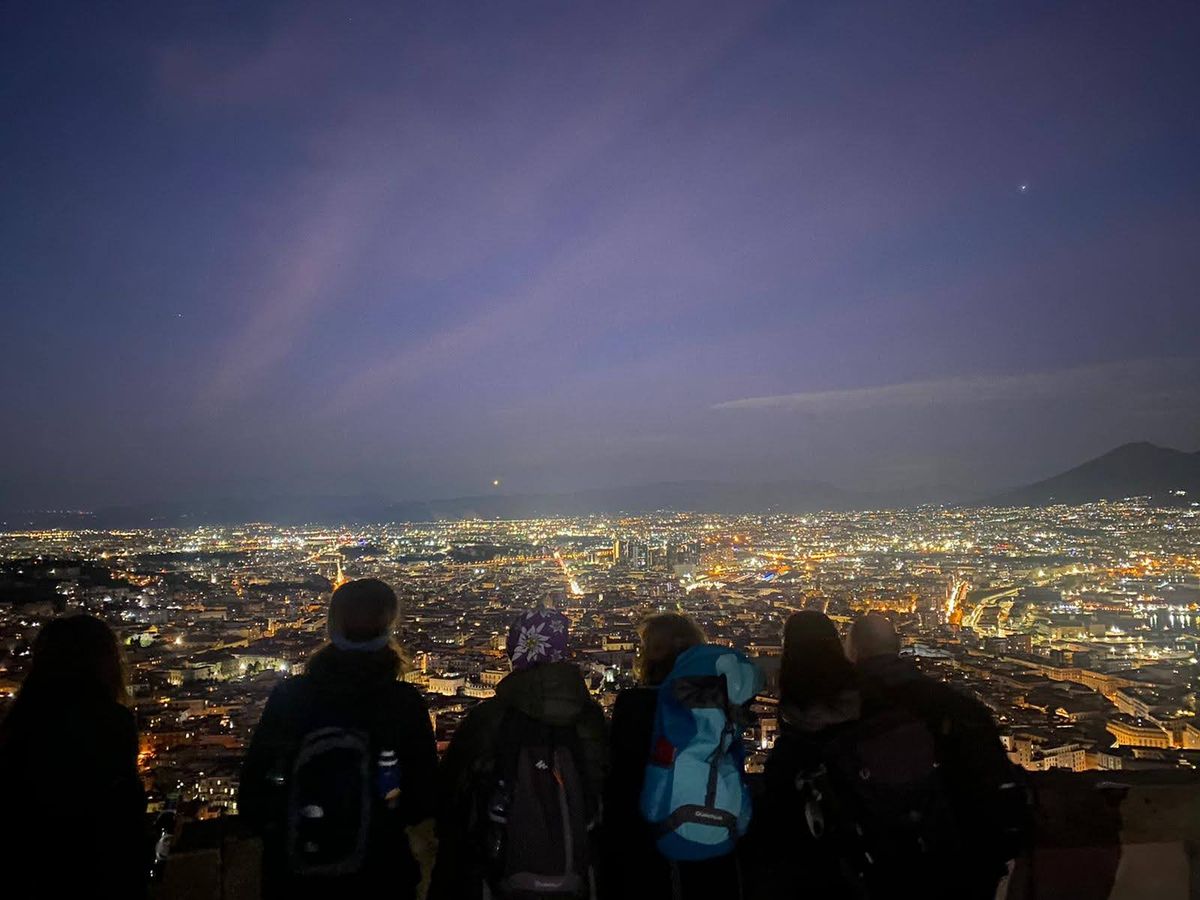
292, 719
382, 720
506, 745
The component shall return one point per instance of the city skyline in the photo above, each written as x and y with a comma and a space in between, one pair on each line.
409, 251
1076, 625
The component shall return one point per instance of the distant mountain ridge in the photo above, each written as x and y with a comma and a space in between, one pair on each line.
1131, 470
706, 496
1138, 469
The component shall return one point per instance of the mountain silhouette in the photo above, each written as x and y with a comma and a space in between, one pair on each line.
701, 496
1131, 470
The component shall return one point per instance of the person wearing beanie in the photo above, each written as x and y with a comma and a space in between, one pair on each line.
538, 636
362, 615
542, 686
353, 685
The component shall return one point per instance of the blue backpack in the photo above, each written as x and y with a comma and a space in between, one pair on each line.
694, 793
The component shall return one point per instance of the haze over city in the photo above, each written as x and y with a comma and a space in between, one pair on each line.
410, 250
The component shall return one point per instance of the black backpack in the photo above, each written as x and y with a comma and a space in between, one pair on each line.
990, 797
536, 813
874, 795
342, 787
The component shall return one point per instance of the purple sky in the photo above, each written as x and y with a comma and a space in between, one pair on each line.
404, 249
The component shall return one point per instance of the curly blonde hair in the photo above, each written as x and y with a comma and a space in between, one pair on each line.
663, 637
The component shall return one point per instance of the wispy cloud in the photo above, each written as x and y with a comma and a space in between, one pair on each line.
294, 283
399, 180
288, 64
1161, 385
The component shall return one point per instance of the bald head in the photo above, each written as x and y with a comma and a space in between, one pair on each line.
872, 635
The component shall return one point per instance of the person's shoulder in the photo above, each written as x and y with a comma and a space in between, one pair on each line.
785, 751
121, 717
905, 681
966, 708
489, 711
947, 702
292, 686
295, 692
408, 696
481, 725
105, 716
634, 700
947, 694
110, 728
638, 694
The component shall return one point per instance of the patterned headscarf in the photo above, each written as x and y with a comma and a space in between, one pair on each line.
537, 636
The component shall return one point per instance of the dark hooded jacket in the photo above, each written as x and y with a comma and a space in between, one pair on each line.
985, 789
781, 851
347, 689
971, 760
553, 693
73, 821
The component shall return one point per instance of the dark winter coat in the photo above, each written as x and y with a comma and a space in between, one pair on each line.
349, 689
553, 693
973, 773
783, 859
73, 821
983, 785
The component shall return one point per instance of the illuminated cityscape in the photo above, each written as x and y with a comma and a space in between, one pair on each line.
1077, 625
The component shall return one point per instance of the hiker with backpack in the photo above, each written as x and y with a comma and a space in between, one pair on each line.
794, 851
857, 802
645, 722
338, 778
519, 787
986, 792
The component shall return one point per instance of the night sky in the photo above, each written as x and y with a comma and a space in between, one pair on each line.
405, 249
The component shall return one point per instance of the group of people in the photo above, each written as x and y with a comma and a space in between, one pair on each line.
879, 776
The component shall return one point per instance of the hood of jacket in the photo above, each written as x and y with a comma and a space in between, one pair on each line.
352, 670
553, 693
845, 706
